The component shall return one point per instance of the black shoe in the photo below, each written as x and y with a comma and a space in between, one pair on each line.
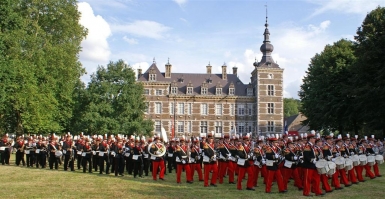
251, 189
121, 174
339, 188
348, 185
231, 182
161, 179
308, 195
190, 182
379, 176
354, 182
362, 180
329, 191
321, 194
284, 191
214, 185
300, 189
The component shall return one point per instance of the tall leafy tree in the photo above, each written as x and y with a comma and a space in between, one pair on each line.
369, 73
115, 102
39, 47
291, 106
326, 100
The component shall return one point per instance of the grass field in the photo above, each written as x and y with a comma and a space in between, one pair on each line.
22, 182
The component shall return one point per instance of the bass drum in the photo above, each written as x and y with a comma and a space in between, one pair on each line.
348, 164
371, 160
379, 159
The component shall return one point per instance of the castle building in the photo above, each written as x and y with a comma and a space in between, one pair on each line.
193, 103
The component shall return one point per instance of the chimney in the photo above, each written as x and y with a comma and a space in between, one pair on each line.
208, 69
139, 72
224, 72
168, 69
235, 70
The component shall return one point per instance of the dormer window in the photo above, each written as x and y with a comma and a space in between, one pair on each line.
249, 91
218, 91
174, 90
203, 91
181, 80
190, 90
152, 77
209, 81
231, 91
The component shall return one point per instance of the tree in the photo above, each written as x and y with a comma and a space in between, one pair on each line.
115, 102
326, 99
291, 106
369, 73
39, 47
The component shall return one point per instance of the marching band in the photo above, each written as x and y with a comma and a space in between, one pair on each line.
315, 164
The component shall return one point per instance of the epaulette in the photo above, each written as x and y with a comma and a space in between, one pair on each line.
153, 146
307, 148
205, 146
326, 147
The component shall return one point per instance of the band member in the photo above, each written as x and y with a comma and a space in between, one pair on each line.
347, 147
79, 147
223, 161
311, 177
87, 156
119, 158
170, 156
244, 165
104, 157
43, 153
95, 153
372, 149
68, 154
290, 166
128, 153
5, 150
259, 162
196, 157
210, 162
19, 146
341, 151
272, 161
146, 156
137, 158
181, 154
233, 167
157, 162
354, 150
53, 147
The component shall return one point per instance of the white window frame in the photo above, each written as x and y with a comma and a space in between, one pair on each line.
218, 109
204, 91
180, 125
158, 108
203, 127
174, 90
241, 127
218, 127
146, 91
250, 109
249, 91
270, 126
241, 109
231, 91
189, 108
231, 109
159, 92
270, 108
270, 90
218, 91
189, 90
147, 109
181, 108
158, 126
172, 109
188, 127
204, 109
152, 77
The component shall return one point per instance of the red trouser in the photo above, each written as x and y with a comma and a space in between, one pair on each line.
368, 171
196, 167
335, 181
256, 174
352, 176
376, 170
214, 169
343, 178
271, 174
241, 173
179, 168
155, 166
287, 173
359, 173
230, 170
311, 179
222, 167
264, 173
325, 182
297, 178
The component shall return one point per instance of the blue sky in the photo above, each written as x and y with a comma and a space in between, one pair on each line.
193, 33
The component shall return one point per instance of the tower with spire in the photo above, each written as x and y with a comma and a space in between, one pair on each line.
267, 79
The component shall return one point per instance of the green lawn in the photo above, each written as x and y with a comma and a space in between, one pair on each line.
22, 182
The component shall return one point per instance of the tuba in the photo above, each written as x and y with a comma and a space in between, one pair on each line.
162, 149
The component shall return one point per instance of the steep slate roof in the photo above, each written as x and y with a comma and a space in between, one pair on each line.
197, 79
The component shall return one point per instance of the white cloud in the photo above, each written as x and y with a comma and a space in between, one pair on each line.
346, 6
130, 41
143, 28
180, 2
95, 48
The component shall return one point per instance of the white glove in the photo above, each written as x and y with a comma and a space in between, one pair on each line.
330, 157
157, 153
276, 155
314, 161
376, 153
345, 156
295, 158
183, 162
263, 162
320, 157
254, 158
337, 154
351, 153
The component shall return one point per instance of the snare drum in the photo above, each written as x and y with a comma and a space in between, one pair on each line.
363, 160
340, 162
371, 160
58, 154
322, 166
379, 159
355, 159
332, 168
348, 164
